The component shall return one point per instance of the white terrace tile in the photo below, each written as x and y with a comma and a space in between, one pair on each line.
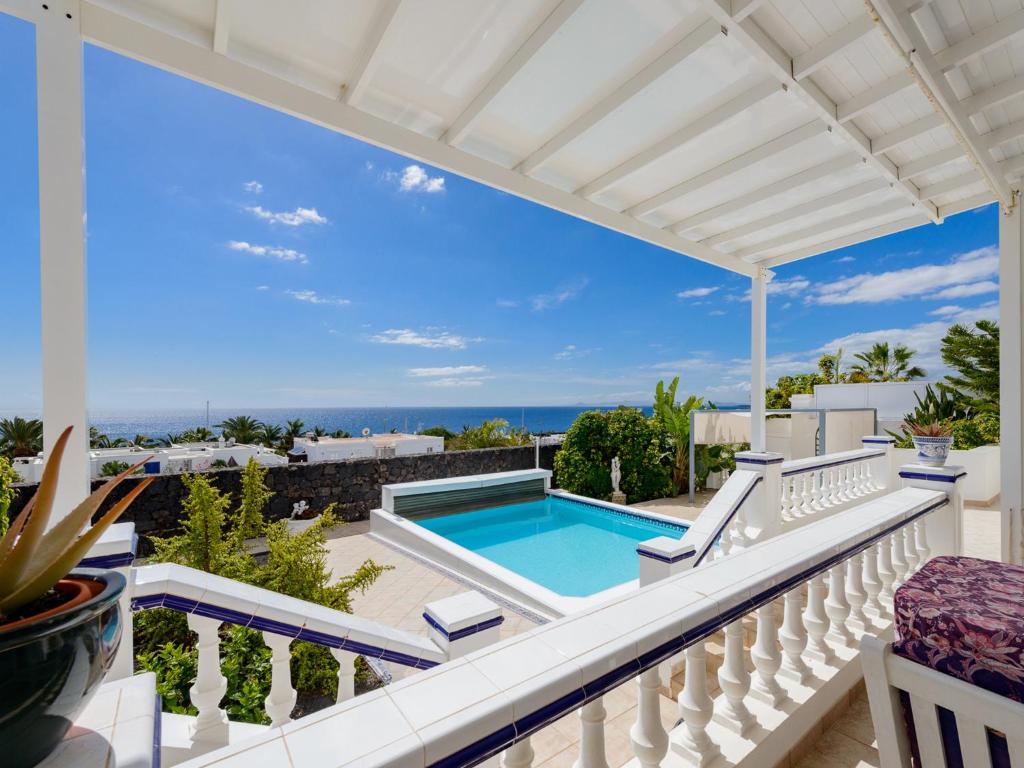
231, 594
436, 694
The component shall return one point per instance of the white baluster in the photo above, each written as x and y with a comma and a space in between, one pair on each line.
836, 606
886, 574
872, 582
734, 680
346, 673
855, 594
899, 558
739, 529
281, 700
592, 755
808, 493
211, 725
767, 658
793, 637
910, 550
785, 504
924, 553
519, 755
816, 620
817, 491
835, 486
648, 735
843, 483
696, 708
860, 485
725, 541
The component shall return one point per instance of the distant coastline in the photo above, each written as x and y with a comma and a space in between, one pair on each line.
158, 423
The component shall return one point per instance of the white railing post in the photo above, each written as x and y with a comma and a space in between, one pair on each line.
648, 734
793, 637
463, 623
211, 725
696, 708
519, 755
592, 752
816, 621
886, 574
763, 509
836, 606
766, 658
734, 680
346, 673
873, 582
882, 469
899, 558
280, 700
944, 526
856, 595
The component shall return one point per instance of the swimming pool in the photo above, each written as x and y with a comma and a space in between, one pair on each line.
572, 548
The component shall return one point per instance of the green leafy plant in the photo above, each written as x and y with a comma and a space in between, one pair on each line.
254, 498
930, 429
974, 355
675, 418
882, 363
244, 429
447, 434
595, 437
8, 477
113, 468
492, 433
21, 437
32, 558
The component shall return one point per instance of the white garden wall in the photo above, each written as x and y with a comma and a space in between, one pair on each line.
982, 465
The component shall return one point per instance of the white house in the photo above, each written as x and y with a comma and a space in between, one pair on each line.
369, 446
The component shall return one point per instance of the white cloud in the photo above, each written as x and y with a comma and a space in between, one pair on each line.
295, 218
428, 339
696, 293
507, 303
926, 281
571, 351
544, 301
262, 287
845, 260
788, 287
312, 297
414, 178
274, 252
717, 312
737, 388
949, 309
455, 382
447, 370
969, 289
253, 186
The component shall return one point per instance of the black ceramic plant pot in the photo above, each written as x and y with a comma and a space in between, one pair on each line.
50, 667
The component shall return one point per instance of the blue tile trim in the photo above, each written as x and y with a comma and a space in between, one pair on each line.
184, 605
679, 528
728, 519
157, 734
108, 561
465, 631
760, 462
934, 478
878, 440
662, 559
827, 464
557, 709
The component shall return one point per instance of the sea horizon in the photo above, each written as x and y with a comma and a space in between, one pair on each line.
159, 422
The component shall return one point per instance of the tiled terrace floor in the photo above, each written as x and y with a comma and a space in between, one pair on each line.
846, 737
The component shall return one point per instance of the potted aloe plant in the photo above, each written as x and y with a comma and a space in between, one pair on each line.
932, 442
59, 626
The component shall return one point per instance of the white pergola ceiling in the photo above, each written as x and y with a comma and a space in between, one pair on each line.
746, 133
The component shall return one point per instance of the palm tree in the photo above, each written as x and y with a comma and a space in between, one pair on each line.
194, 435
293, 428
882, 364
98, 440
340, 433
270, 435
245, 429
144, 441
831, 367
21, 437
319, 432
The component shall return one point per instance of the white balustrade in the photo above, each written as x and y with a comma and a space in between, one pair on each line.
346, 673
872, 582
837, 608
734, 680
856, 595
910, 551
696, 709
793, 637
767, 658
211, 725
899, 557
592, 752
816, 620
519, 755
924, 553
648, 735
280, 700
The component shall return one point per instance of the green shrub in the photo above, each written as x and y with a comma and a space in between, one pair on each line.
583, 464
988, 425
438, 432
113, 468
492, 433
8, 477
966, 435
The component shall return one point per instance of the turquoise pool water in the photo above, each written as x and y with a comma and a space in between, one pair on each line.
572, 548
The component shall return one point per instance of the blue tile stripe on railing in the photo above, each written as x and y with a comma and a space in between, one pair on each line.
691, 552
465, 631
878, 440
185, 605
934, 478
827, 464
531, 722
108, 561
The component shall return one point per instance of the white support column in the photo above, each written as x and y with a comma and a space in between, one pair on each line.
62, 240
944, 527
763, 509
463, 623
758, 356
1011, 373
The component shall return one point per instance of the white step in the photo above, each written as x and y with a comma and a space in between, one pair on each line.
116, 728
176, 745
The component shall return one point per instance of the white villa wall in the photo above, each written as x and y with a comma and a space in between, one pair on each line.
892, 400
339, 449
981, 464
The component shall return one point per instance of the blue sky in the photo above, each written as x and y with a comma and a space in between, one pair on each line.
242, 256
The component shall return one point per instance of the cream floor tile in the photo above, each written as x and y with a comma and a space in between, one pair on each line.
836, 750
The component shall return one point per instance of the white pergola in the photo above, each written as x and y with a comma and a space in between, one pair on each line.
744, 133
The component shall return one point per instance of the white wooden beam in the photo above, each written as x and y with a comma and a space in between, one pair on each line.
1003, 134
806, 64
683, 49
742, 8
894, 138
904, 34
524, 52
821, 228
146, 43
980, 42
990, 97
777, 62
703, 124
788, 184
222, 26
876, 94
951, 185
845, 241
967, 204
931, 162
1013, 167
794, 212
758, 358
363, 69
736, 164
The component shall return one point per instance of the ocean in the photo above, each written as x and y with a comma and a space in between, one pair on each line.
158, 423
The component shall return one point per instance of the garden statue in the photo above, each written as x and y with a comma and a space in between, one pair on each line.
299, 510
616, 474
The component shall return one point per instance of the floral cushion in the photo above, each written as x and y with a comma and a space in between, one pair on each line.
965, 617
